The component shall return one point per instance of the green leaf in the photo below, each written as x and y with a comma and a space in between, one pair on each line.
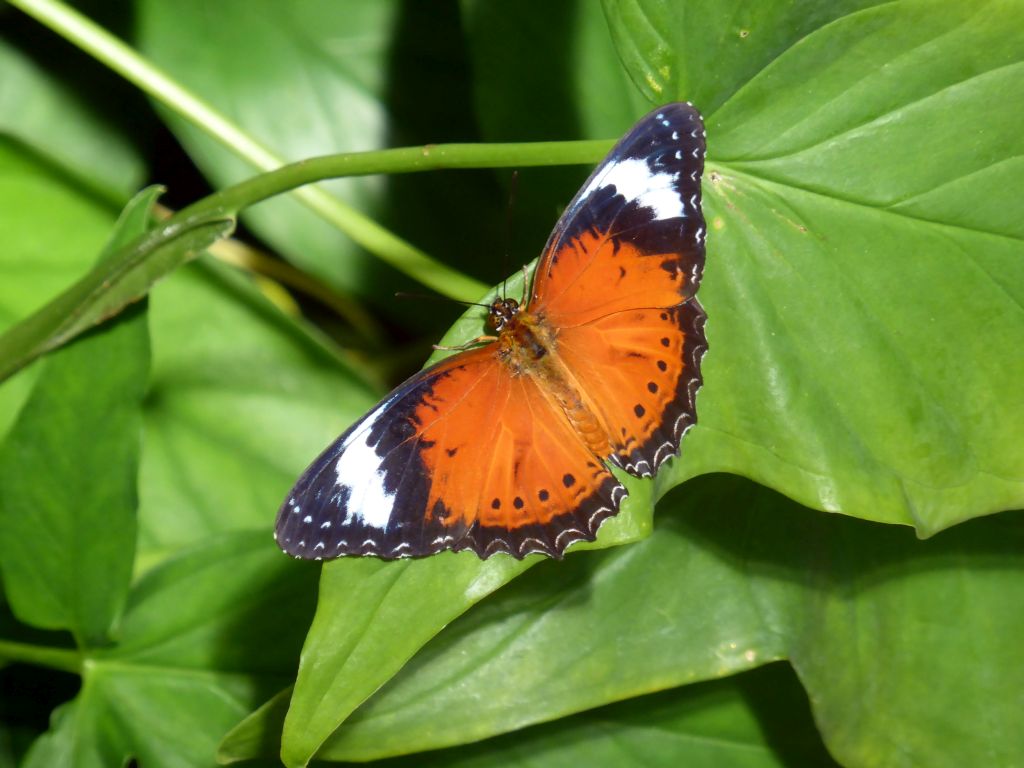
865, 271
122, 278
906, 648
314, 89
706, 53
806, 425
68, 474
259, 734
56, 747
57, 122
371, 617
205, 637
759, 718
241, 400
564, 638
732, 577
39, 259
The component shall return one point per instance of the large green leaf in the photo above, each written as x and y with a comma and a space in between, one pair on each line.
315, 88
56, 120
68, 473
371, 618
732, 577
707, 52
865, 271
830, 362
241, 400
759, 718
205, 636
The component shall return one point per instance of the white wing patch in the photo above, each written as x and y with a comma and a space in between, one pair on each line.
358, 470
633, 179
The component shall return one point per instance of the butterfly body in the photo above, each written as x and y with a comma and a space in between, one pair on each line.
506, 447
528, 345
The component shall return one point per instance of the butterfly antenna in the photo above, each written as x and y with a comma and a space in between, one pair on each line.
435, 297
513, 189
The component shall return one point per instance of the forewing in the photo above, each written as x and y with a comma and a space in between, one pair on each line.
463, 456
633, 237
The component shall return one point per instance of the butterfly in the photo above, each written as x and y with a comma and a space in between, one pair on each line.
507, 446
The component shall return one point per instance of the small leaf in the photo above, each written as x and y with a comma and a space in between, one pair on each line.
259, 734
68, 473
118, 280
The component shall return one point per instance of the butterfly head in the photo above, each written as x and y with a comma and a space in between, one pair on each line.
501, 313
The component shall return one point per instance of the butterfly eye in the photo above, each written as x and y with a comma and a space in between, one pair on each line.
502, 312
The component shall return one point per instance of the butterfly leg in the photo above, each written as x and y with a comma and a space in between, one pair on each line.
468, 345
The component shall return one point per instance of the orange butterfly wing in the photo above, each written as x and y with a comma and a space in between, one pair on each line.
463, 456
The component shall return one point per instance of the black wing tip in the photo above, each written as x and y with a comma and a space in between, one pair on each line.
680, 116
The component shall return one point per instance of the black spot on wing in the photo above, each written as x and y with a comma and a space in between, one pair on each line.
553, 537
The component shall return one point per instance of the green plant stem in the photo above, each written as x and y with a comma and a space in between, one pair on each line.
35, 335
121, 58
231, 200
64, 659
31, 337
125, 61
367, 233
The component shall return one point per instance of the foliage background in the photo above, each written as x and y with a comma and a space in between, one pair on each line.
865, 285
